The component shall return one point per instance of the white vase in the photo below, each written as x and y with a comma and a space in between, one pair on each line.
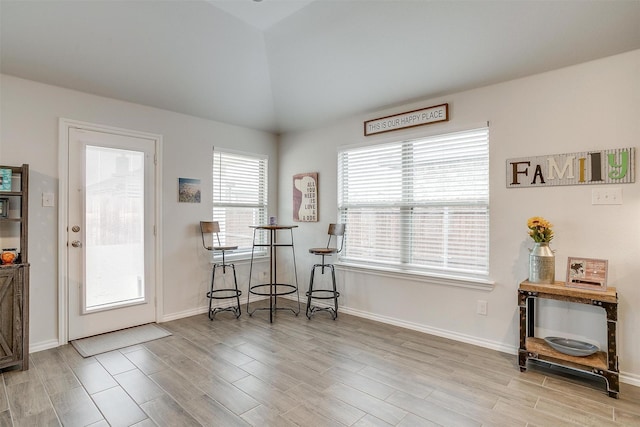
542, 264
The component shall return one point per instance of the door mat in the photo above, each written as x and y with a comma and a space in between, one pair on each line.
103, 343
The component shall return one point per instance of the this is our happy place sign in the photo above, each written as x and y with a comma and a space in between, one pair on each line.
424, 116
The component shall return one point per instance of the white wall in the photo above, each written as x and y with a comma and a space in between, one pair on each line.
29, 114
591, 106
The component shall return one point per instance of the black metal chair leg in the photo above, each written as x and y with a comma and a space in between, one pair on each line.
335, 293
210, 295
235, 281
310, 292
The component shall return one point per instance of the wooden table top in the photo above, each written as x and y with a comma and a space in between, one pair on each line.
560, 288
273, 227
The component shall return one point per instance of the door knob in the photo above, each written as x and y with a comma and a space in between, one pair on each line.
75, 228
76, 244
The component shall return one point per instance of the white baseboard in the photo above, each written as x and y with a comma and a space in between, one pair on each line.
183, 314
630, 379
201, 310
44, 345
493, 345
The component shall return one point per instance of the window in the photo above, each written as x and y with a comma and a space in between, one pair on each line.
418, 206
240, 197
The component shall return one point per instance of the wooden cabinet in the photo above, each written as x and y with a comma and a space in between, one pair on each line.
14, 278
604, 364
14, 337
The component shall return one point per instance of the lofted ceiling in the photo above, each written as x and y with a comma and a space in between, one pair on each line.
288, 65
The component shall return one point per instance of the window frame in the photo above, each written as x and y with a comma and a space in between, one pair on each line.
260, 207
402, 269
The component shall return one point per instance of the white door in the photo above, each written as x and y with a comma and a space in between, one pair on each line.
110, 234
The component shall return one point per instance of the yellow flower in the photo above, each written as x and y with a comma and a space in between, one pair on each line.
540, 229
537, 221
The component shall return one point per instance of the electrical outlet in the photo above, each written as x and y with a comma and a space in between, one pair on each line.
606, 196
481, 307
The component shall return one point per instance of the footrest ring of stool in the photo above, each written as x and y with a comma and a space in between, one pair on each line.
225, 294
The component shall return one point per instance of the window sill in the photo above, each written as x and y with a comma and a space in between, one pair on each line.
436, 279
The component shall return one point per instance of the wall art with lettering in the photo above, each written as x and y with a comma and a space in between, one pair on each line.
423, 116
305, 197
612, 166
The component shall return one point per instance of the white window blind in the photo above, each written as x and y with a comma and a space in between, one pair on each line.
419, 205
240, 196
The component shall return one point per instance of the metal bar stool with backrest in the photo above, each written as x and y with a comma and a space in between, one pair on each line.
337, 232
210, 231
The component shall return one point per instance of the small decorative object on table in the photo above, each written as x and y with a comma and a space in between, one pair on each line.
8, 256
542, 260
5, 179
571, 347
587, 273
4, 207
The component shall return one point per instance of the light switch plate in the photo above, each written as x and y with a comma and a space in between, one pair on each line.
606, 196
48, 200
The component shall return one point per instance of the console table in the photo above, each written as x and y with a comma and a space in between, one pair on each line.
604, 364
273, 289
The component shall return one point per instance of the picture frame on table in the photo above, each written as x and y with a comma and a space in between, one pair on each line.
587, 273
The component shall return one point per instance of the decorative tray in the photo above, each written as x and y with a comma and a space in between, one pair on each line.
571, 347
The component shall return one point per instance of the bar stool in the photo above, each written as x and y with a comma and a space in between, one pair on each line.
337, 232
209, 229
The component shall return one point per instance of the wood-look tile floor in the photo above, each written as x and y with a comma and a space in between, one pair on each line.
300, 372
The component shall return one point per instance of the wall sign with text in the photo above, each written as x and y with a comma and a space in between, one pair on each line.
613, 166
305, 197
424, 116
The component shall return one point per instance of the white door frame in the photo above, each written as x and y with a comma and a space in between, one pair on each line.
63, 216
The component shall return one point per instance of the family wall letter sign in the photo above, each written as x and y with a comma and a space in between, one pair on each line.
613, 166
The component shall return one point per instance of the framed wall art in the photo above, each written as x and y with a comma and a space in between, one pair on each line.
423, 116
587, 273
189, 190
305, 197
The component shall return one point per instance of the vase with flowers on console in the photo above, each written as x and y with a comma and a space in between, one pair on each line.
542, 260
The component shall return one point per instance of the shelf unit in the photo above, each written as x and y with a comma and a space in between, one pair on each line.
14, 278
601, 363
